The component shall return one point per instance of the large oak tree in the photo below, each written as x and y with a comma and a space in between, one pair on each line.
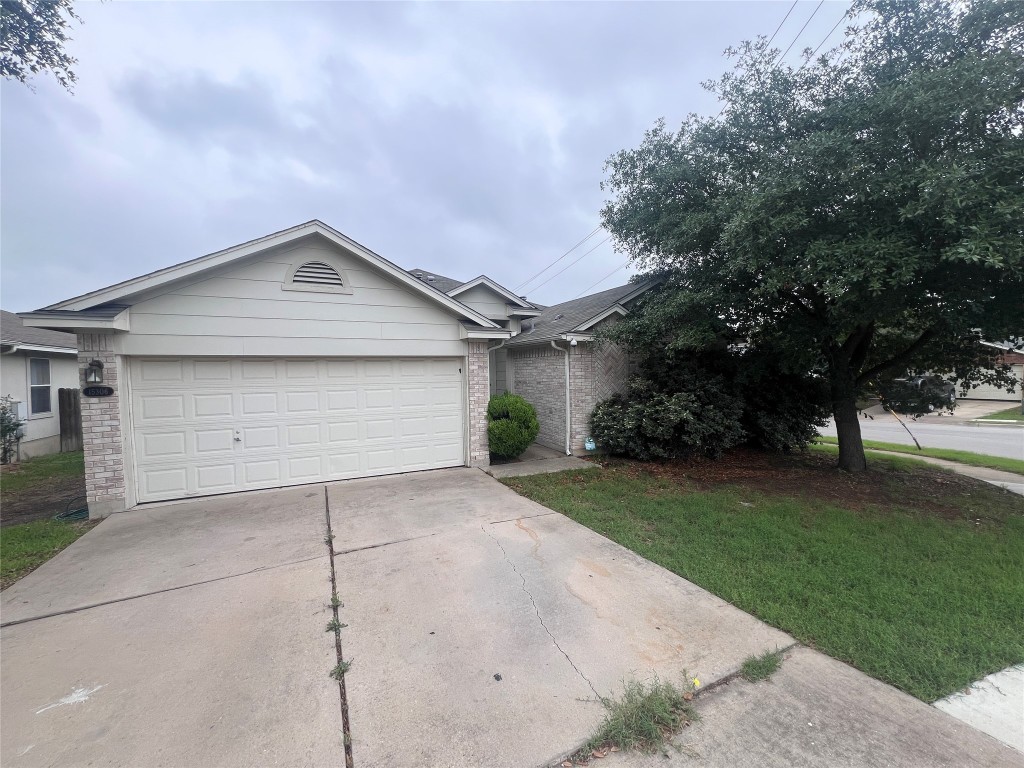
860, 215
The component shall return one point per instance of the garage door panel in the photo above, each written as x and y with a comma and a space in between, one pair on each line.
259, 370
164, 445
211, 441
302, 402
343, 432
211, 371
219, 405
216, 425
215, 477
156, 407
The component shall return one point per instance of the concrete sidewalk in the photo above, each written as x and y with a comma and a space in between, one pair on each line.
1008, 480
816, 711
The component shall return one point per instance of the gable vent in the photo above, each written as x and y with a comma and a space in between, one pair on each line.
317, 273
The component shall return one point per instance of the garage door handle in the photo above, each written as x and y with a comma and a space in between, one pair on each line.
238, 439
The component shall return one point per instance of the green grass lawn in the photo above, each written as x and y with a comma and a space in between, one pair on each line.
964, 457
917, 579
1010, 414
42, 470
25, 547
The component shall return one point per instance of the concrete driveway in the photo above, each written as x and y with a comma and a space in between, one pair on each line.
482, 630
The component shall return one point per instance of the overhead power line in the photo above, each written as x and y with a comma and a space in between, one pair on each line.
781, 23
813, 14
549, 266
776, 32
588, 290
830, 33
574, 261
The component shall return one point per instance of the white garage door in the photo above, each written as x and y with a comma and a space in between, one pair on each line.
204, 426
989, 392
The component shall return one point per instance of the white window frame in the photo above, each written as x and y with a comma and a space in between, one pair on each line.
32, 413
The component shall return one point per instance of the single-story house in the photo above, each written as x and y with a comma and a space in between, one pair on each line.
34, 364
303, 357
1010, 354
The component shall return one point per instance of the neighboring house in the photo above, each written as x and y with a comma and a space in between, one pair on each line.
34, 364
1012, 355
302, 357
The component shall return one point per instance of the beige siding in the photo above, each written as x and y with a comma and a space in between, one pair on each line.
485, 301
14, 382
243, 310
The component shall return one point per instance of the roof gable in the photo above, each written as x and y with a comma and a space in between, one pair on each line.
501, 291
578, 315
146, 283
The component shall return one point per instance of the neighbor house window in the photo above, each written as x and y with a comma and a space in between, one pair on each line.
39, 385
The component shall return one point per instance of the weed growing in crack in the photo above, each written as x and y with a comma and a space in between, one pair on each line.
761, 667
333, 625
336, 602
328, 538
339, 671
643, 718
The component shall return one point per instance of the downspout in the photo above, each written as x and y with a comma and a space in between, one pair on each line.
568, 402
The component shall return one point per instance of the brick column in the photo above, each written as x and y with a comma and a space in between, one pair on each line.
478, 378
581, 394
101, 429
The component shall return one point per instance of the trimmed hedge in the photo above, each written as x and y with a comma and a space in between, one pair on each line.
511, 425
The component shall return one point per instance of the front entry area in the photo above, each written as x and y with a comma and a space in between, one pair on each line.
217, 425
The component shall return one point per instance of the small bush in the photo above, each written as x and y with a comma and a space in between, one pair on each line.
647, 424
511, 425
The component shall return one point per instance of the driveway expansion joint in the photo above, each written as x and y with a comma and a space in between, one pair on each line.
382, 544
126, 598
342, 692
540, 618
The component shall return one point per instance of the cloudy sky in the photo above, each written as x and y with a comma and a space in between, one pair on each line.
460, 138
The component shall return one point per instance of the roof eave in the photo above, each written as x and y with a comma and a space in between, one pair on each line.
67, 321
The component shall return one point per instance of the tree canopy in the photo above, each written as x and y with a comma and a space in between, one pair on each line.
861, 214
32, 38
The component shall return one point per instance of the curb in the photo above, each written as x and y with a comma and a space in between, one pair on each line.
999, 422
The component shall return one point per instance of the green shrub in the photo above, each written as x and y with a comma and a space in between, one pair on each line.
648, 424
511, 425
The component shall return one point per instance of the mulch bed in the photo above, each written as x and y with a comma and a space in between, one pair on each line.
815, 475
39, 502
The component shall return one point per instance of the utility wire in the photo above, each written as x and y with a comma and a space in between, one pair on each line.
588, 290
813, 14
830, 33
781, 23
574, 261
777, 61
549, 266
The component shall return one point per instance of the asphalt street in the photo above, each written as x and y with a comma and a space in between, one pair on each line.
1005, 441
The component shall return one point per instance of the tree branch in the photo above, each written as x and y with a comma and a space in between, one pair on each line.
896, 359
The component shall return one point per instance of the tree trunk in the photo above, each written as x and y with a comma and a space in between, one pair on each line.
844, 410
851, 447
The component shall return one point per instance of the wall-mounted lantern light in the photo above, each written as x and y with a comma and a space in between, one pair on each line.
94, 372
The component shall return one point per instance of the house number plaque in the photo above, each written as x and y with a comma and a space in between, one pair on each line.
97, 391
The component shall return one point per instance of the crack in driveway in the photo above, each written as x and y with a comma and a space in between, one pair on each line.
536, 610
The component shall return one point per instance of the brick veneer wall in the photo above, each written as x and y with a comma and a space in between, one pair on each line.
597, 370
479, 394
101, 429
538, 375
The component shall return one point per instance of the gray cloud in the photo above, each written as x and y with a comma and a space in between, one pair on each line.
459, 137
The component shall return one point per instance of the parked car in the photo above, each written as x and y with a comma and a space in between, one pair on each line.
920, 394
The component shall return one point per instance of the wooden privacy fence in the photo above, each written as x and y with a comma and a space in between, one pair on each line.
70, 405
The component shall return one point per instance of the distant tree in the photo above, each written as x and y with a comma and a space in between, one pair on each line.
858, 215
32, 38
